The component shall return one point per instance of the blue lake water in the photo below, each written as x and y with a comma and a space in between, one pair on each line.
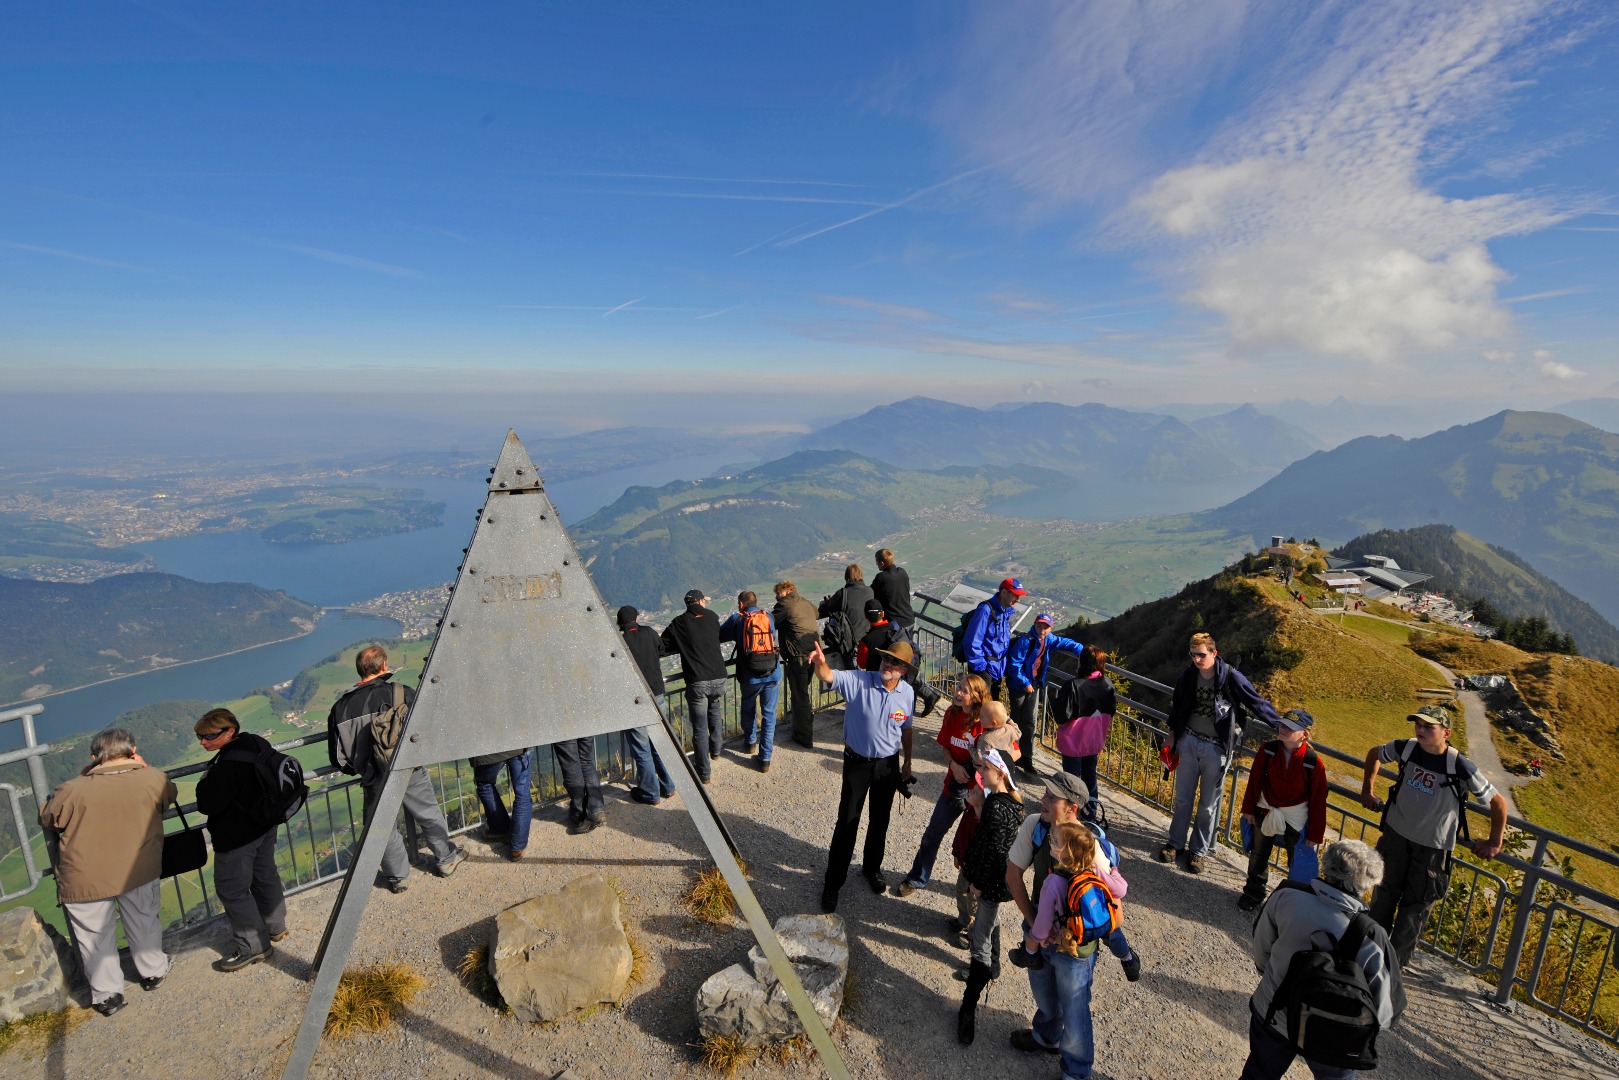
331, 575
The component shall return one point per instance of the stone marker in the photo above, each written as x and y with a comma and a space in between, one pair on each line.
563, 951
747, 1000
31, 976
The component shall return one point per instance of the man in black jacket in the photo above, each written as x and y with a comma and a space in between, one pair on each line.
849, 601
695, 635
652, 782
246, 879
892, 588
349, 748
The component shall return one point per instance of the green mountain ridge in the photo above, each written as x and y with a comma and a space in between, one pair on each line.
62, 635
1539, 484
652, 544
1467, 568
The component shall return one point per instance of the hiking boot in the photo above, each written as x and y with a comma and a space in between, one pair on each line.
584, 825
829, 899
153, 982
1248, 903
875, 879
1132, 967
279, 937
1167, 853
962, 939
489, 835
906, 887
515, 856
447, 867
1194, 864
110, 1006
396, 887
1022, 958
764, 765
1024, 1040
753, 747
238, 960
642, 797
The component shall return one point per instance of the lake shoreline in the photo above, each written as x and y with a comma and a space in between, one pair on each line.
24, 703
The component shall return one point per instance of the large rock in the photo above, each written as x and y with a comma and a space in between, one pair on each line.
32, 979
748, 1000
564, 951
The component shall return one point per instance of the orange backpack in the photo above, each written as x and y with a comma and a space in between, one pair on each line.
757, 653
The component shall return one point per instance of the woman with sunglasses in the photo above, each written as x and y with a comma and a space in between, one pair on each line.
246, 879
1205, 722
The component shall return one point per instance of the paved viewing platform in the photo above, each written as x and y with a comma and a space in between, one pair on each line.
1186, 1018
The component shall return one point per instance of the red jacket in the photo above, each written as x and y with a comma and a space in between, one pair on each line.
1284, 781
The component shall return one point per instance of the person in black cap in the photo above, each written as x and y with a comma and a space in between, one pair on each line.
695, 635
879, 638
652, 782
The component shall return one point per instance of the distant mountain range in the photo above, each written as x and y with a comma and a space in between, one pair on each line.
59, 635
1543, 485
1466, 567
1082, 440
722, 533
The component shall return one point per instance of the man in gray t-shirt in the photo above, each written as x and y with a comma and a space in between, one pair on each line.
1422, 817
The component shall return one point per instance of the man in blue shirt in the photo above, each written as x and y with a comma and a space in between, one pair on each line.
1026, 668
989, 633
876, 731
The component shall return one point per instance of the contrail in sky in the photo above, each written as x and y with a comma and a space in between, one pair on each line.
621, 307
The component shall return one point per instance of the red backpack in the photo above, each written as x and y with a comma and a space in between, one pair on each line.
757, 652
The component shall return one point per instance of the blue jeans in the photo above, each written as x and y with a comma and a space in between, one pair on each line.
1199, 778
1269, 1055
651, 778
952, 801
761, 696
1072, 975
494, 811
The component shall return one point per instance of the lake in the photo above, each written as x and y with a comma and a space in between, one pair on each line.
331, 575
220, 678
1109, 499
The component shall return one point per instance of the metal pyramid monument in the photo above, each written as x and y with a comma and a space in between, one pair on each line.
527, 655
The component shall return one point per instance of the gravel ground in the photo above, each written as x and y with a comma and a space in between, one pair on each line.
1186, 1018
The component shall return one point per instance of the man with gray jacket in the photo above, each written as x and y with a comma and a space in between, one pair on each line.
1298, 920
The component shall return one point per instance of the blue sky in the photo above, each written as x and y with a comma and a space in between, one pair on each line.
1129, 202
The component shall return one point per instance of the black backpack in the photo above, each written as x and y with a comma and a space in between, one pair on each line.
837, 635
282, 791
1331, 1009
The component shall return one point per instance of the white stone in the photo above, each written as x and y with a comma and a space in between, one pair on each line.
563, 951
748, 1001
32, 978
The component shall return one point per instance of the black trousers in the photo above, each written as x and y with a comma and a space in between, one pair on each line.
1259, 859
1413, 878
577, 760
799, 707
864, 779
1023, 716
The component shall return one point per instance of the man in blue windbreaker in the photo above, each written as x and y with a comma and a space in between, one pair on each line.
989, 634
1026, 668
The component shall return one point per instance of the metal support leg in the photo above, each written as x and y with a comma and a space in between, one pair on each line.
720, 849
696, 785
1520, 924
338, 940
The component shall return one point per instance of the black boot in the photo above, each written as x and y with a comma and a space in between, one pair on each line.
995, 951
967, 1019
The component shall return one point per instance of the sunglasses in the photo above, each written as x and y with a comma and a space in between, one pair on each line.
202, 737
1199, 655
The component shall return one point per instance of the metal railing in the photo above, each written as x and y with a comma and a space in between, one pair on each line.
1560, 955
315, 847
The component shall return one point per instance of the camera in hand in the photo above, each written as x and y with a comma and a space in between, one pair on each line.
906, 785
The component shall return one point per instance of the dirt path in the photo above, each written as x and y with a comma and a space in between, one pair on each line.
1186, 1018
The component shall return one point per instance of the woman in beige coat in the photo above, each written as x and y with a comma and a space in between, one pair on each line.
109, 825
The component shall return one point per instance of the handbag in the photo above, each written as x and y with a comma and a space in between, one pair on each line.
183, 851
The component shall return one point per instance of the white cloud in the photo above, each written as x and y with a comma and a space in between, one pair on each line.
1308, 219
1553, 368
1499, 356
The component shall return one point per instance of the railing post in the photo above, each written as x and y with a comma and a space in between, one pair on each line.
36, 766
1520, 924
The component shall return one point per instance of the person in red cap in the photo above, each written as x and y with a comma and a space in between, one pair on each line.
989, 634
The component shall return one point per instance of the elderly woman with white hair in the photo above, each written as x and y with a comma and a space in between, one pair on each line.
109, 825
1301, 918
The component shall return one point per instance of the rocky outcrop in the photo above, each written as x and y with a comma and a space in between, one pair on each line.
747, 1000
563, 951
32, 978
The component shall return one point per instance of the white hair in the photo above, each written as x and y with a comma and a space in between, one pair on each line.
1351, 866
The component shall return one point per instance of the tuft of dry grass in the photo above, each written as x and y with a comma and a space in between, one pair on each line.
367, 998
790, 1050
473, 971
726, 1054
41, 1029
709, 898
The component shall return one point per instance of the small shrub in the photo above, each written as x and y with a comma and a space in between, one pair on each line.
41, 1029
726, 1054
367, 998
709, 897
474, 973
